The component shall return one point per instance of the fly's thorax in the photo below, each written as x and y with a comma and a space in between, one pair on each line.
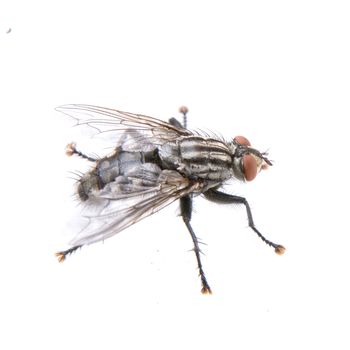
198, 157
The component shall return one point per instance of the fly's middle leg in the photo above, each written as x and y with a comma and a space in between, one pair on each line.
72, 149
225, 198
186, 213
173, 121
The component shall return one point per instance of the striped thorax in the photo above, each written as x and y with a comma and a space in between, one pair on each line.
198, 157
212, 159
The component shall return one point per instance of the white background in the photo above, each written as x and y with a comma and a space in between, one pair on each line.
274, 71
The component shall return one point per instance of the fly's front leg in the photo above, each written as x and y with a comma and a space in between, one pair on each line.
186, 213
71, 149
225, 198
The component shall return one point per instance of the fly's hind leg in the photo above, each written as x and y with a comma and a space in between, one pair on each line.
186, 213
72, 149
61, 256
225, 198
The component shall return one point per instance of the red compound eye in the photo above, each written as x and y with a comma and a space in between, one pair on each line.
250, 167
242, 140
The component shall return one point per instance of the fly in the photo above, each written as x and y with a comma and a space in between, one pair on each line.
152, 164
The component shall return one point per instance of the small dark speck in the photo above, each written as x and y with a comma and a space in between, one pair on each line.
8, 31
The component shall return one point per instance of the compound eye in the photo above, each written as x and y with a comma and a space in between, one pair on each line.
250, 167
242, 140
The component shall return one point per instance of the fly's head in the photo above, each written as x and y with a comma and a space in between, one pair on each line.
247, 161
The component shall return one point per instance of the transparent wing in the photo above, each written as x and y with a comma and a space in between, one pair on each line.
126, 201
134, 132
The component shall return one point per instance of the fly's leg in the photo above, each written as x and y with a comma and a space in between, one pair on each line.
225, 198
173, 121
61, 256
71, 149
184, 110
186, 213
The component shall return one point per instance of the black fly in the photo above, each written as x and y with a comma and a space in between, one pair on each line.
152, 164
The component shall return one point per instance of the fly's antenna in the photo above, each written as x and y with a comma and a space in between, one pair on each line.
184, 110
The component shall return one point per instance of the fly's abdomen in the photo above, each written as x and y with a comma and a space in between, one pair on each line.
107, 170
198, 157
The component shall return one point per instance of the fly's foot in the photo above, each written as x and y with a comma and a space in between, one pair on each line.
61, 256
183, 110
71, 149
279, 249
205, 288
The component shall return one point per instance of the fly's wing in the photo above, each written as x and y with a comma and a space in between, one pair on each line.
134, 132
129, 199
